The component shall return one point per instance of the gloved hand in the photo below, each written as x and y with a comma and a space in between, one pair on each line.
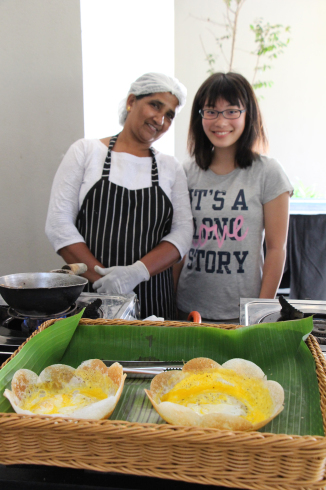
120, 279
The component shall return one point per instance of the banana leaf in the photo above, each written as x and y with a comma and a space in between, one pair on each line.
278, 348
42, 350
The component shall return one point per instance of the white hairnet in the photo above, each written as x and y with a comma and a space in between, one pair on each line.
152, 83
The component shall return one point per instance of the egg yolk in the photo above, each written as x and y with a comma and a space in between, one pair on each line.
224, 391
48, 398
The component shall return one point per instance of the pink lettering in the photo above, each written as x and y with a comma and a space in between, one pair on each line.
238, 223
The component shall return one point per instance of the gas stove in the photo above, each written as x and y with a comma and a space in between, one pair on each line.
254, 311
15, 328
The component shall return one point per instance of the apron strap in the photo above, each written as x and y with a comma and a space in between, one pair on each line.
107, 163
154, 168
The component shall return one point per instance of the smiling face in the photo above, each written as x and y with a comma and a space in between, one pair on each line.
224, 133
151, 116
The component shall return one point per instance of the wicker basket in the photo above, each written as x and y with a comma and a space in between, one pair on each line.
250, 460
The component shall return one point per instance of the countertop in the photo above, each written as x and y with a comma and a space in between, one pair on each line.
307, 206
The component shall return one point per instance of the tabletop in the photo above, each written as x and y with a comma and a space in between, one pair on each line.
305, 268
54, 478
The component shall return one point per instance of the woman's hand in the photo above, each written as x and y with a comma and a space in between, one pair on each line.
123, 279
120, 279
276, 219
163, 256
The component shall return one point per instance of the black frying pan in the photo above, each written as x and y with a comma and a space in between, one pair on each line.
41, 293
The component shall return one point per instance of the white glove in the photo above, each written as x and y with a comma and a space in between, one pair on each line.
120, 279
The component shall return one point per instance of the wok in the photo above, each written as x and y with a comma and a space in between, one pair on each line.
41, 293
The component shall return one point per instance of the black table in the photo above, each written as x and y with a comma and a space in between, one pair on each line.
53, 478
305, 268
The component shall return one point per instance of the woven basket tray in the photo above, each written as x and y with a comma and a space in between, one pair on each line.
250, 460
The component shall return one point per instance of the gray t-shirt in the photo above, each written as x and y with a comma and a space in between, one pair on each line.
225, 261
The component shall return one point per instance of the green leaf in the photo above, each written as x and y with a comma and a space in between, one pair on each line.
303, 191
42, 350
277, 348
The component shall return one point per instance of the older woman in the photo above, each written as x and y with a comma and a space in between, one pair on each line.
123, 208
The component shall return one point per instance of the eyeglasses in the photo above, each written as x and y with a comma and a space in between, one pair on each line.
227, 113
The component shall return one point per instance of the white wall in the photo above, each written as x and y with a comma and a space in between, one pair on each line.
41, 113
296, 136
121, 41
41, 94
41, 99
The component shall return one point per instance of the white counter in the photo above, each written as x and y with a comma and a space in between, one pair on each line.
307, 206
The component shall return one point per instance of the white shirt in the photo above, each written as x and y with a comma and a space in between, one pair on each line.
82, 167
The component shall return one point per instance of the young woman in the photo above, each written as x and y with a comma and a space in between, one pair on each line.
238, 197
123, 208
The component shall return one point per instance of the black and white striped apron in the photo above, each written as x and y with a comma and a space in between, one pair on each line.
120, 226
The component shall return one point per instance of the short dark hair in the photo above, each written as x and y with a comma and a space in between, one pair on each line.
234, 88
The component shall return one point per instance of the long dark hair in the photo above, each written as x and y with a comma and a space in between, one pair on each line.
234, 88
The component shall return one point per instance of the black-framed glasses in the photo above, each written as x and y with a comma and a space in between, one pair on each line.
227, 113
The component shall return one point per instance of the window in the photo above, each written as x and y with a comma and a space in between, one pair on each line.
121, 41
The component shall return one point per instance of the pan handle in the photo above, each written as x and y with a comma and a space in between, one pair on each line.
75, 269
194, 316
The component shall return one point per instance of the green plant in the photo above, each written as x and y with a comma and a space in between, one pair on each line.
303, 191
230, 26
269, 42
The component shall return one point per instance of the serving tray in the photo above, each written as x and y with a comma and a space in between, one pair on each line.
253, 460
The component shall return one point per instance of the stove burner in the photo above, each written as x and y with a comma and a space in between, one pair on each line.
16, 327
17, 314
319, 322
31, 323
319, 329
15, 324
